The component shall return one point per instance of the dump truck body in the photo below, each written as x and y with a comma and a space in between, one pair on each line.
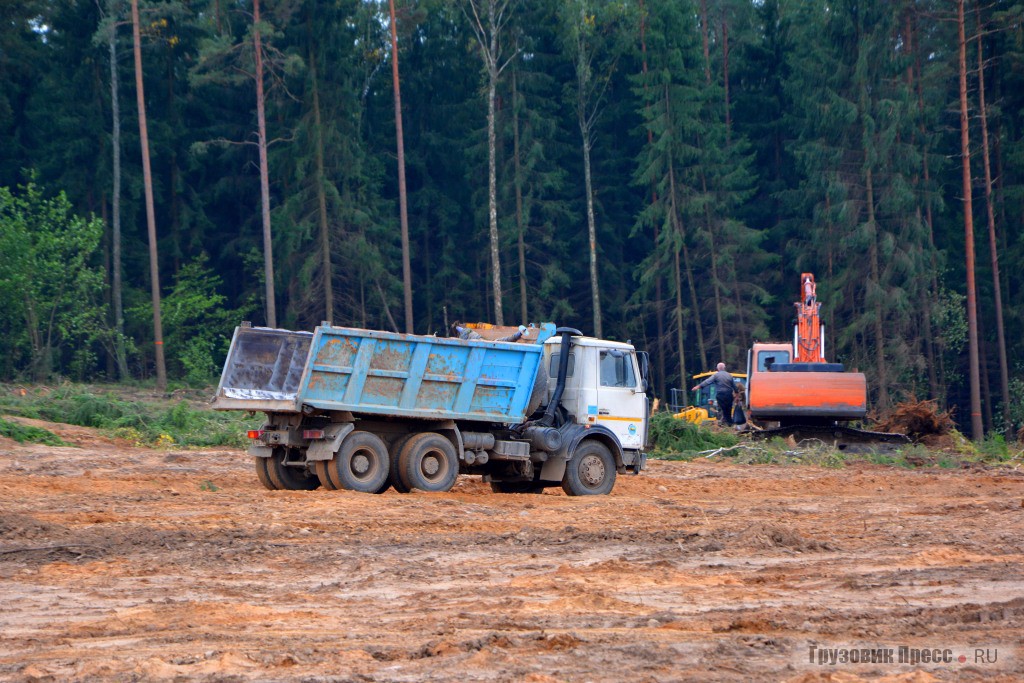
380, 373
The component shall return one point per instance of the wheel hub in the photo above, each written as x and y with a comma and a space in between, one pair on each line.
360, 464
431, 465
592, 470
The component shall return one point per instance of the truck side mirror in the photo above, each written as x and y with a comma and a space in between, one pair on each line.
645, 370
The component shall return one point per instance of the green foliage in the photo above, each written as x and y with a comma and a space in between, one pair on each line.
679, 439
29, 434
197, 323
146, 422
51, 292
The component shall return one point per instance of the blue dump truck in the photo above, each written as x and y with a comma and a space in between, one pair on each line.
366, 410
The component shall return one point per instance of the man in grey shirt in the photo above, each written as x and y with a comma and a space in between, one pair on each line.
724, 388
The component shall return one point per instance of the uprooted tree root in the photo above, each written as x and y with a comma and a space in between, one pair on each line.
918, 420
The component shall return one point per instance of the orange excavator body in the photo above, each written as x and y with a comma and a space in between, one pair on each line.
793, 383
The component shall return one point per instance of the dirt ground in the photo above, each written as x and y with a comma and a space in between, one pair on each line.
126, 564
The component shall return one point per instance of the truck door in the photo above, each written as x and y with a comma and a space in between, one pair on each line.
621, 402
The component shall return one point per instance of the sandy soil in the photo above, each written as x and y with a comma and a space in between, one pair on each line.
128, 564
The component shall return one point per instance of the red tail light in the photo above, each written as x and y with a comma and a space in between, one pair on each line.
255, 433
312, 434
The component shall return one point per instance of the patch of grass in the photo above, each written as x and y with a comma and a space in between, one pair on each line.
29, 434
150, 421
675, 439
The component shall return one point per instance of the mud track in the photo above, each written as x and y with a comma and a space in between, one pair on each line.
127, 564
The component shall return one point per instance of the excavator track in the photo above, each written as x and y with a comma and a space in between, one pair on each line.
838, 436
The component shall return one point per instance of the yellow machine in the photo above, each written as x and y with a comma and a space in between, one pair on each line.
705, 406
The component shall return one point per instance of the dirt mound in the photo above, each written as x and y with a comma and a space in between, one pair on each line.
917, 419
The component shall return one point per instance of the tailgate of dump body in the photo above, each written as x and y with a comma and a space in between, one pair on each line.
404, 375
263, 370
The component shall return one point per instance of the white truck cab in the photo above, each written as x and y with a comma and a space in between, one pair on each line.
604, 388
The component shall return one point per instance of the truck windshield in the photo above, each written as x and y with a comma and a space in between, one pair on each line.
766, 359
617, 369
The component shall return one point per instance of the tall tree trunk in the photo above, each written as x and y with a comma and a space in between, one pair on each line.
1004, 374
595, 292
677, 225
725, 74
115, 266
327, 271
261, 122
705, 36
658, 314
881, 370
518, 180
716, 283
403, 210
695, 304
492, 196
147, 179
977, 431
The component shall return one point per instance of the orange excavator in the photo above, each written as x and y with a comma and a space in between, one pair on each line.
793, 391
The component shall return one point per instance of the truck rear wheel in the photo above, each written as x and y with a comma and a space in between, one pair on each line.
428, 462
591, 471
362, 463
323, 473
262, 474
287, 477
394, 452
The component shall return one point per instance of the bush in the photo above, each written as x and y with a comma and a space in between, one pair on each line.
673, 438
26, 433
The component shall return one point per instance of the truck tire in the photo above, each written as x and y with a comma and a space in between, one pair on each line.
289, 478
361, 463
262, 474
516, 487
428, 462
394, 452
323, 473
591, 471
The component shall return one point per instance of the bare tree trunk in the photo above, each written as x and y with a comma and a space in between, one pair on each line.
115, 266
1004, 374
403, 210
147, 177
680, 336
706, 39
880, 366
977, 431
725, 73
327, 274
520, 227
492, 198
595, 292
261, 122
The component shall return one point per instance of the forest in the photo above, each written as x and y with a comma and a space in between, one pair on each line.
660, 171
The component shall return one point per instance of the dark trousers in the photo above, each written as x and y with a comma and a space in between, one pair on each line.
725, 406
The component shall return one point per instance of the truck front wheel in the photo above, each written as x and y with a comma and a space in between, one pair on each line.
591, 472
361, 463
428, 462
